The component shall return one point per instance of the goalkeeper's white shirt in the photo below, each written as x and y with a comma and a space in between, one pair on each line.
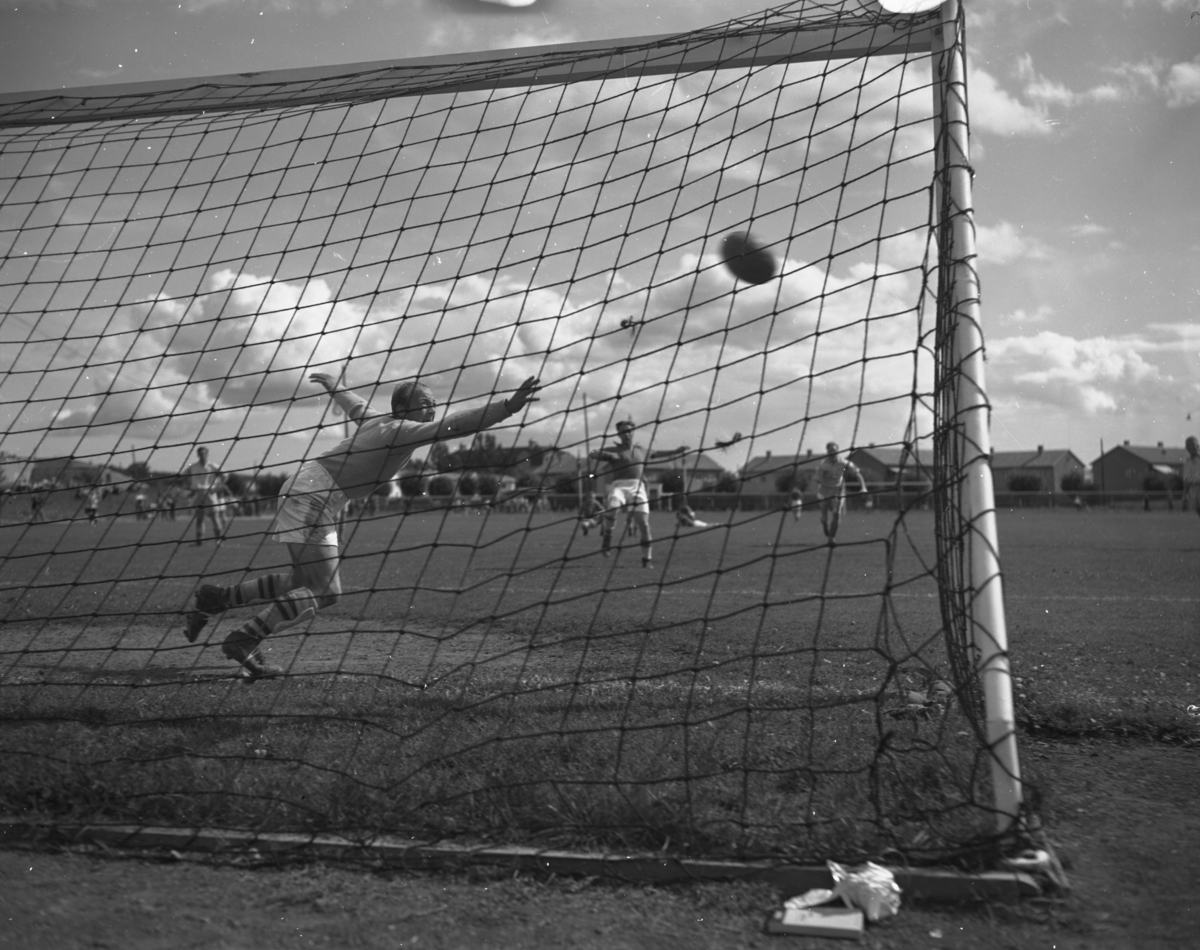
377, 451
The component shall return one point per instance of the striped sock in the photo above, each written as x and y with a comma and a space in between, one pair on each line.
290, 609
255, 591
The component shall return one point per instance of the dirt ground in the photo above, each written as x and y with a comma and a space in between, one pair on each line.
1122, 816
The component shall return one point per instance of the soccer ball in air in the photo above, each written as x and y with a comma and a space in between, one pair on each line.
747, 259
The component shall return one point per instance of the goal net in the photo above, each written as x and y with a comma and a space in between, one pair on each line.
179, 259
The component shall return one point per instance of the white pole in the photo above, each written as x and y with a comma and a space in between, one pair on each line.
985, 608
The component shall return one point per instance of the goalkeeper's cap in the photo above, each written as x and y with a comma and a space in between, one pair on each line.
412, 395
626, 425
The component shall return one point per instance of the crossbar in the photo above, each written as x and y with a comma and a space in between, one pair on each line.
491, 69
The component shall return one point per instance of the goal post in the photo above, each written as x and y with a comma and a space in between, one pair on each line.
176, 260
969, 427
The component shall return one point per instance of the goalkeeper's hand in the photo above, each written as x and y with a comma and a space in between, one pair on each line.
525, 394
324, 379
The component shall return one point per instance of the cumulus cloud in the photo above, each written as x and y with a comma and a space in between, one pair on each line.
1006, 243
1090, 375
993, 109
1178, 84
1033, 110
1183, 84
1041, 89
570, 234
694, 352
244, 340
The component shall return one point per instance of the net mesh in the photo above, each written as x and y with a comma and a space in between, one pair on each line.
172, 278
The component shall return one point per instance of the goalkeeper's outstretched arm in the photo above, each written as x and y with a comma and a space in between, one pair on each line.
355, 407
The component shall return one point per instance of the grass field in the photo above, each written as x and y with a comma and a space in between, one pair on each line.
496, 679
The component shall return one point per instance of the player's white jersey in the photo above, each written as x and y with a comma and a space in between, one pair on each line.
831, 476
202, 479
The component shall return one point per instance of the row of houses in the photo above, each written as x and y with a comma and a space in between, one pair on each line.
63, 471
1123, 468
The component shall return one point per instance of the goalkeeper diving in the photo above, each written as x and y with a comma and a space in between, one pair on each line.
312, 498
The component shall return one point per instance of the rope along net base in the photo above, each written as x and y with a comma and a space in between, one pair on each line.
173, 278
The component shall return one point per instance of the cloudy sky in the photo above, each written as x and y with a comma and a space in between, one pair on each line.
561, 255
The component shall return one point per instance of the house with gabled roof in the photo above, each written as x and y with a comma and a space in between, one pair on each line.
1048, 466
764, 474
888, 465
74, 471
1129, 467
15, 470
699, 470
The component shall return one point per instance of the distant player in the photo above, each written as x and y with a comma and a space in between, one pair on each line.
796, 502
91, 503
831, 487
37, 502
205, 482
312, 499
590, 511
626, 490
250, 497
685, 517
1191, 474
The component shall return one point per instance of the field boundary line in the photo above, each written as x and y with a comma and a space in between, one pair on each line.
940, 884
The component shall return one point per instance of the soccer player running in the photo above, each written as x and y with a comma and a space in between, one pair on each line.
1191, 474
831, 488
312, 498
92, 503
205, 480
626, 489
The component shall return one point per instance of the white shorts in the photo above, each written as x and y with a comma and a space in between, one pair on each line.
834, 501
628, 493
310, 506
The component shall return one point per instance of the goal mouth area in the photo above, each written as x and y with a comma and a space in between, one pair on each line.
179, 259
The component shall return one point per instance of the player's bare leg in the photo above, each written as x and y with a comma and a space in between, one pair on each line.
831, 515
200, 515
211, 599
828, 525
642, 520
218, 524
608, 521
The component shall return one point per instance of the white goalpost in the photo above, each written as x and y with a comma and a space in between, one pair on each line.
985, 609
